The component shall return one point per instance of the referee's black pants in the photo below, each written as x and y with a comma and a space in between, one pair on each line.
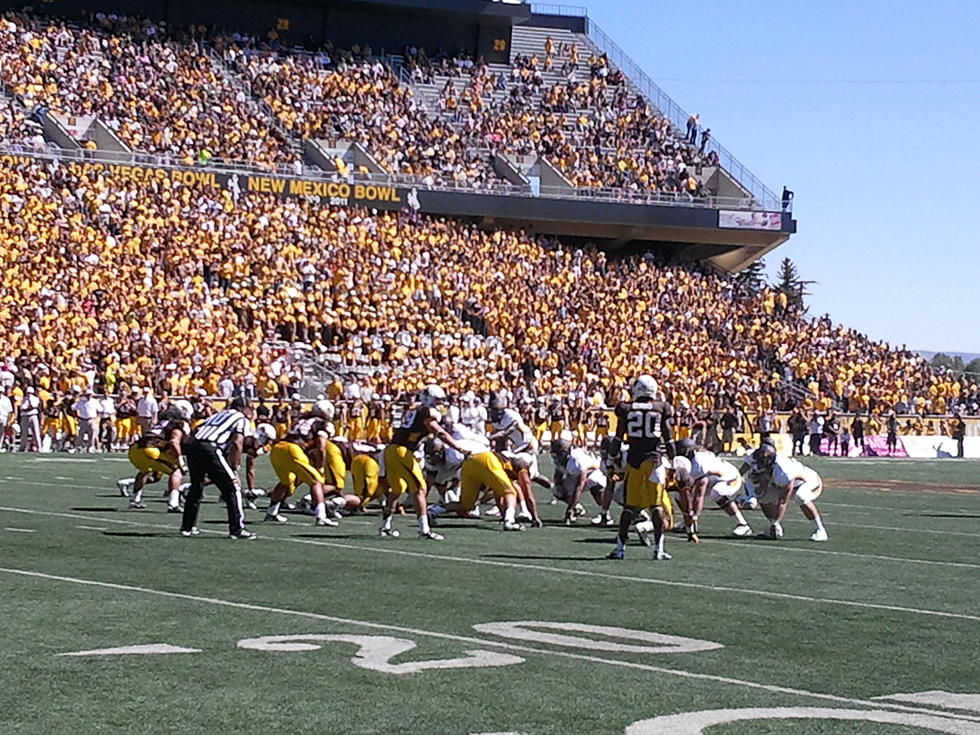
205, 459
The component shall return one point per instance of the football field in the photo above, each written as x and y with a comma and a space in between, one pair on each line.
113, 623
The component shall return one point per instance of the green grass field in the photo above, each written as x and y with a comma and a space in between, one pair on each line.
793, 635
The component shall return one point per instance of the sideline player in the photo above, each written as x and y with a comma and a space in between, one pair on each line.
402, 467
789, 477
707, 474
646, 423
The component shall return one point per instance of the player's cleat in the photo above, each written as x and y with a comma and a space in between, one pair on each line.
662, 556
617, 554
243, 535
751, 503
644, 530
174, 509
275, 518
509, 526
250, 504
195, 531
603, 519
579, 509
742, 530
820, 535
137, 505
123, 489
430, 536
388, 533
775, 532
493, 512
523, 517
537, 523
326, 522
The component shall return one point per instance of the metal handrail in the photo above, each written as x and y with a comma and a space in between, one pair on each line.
114, 158
673, 112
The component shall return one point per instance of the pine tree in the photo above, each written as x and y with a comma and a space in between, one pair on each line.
751, 280
788, 281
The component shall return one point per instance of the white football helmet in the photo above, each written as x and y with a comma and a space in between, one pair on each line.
266, 434
324, 409
432, 395
185, 408
644, 388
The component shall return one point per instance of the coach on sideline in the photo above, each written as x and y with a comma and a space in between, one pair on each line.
214, 450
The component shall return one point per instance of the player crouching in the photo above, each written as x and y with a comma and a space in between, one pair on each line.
702, 473
158, 453
788, 478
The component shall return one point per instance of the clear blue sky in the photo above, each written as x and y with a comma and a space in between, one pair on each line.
886, 175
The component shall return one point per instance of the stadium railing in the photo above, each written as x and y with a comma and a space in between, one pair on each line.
119, 158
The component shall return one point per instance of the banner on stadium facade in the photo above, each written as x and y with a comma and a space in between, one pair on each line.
338, 193
742, 220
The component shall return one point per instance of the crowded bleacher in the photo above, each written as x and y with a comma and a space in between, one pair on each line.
115, 285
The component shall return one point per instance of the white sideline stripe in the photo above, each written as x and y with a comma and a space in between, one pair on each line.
20, 530
899, 559
469, 640
537, 567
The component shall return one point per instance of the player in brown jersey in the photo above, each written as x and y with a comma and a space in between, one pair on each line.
403, 470
645, 422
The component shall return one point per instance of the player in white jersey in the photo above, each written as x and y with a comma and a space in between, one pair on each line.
472, 414
789, 478
582, 473
702, 474
510, 427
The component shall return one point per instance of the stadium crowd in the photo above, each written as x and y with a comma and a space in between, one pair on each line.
156, 94
112, 285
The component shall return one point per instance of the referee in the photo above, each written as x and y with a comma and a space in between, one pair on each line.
214, 450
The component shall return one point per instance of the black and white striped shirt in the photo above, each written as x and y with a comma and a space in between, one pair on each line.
220, 428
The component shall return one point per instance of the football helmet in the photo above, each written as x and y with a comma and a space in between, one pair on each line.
612, 446
266, 434
644, 388
765, 456
432, 395
685, 447
185, 408
498, 405
560, 449
324, 409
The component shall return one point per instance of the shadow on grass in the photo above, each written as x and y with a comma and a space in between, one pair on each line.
141, 534
945, 515
328, 536
97, 510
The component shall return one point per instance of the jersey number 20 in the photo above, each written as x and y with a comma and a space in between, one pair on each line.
643, 424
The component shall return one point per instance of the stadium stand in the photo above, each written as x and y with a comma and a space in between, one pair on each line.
158, 96
211, 279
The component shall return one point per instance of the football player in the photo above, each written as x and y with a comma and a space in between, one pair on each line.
612, 462
702, 473
403, 470
645, 422
581, 472
471, 414
157, 452
787, 477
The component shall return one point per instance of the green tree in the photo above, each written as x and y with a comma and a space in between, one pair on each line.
942, 360
788, 281
973, 367
751, 279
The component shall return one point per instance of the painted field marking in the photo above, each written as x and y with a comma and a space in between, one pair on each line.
470, 641
92, 528
878, 557
697, 723
537, 567
20, 530
148, 649
939, 698
374, 652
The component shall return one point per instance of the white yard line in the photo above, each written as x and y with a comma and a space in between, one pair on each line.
469, 640
20, 530
901, 560
382, 549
